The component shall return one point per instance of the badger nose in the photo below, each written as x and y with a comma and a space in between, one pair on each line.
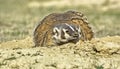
75, 35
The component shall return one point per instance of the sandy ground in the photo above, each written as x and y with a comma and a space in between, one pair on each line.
99, 53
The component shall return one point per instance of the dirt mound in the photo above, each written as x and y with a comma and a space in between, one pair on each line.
99, 53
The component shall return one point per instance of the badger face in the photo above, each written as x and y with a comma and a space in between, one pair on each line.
64, 33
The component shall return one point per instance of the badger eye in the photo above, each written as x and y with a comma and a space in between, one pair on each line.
67, 31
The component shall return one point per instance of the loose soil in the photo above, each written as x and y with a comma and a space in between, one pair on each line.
99, 53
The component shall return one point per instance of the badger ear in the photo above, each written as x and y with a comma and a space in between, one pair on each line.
56, 30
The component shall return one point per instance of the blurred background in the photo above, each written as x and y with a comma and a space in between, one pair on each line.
19, 17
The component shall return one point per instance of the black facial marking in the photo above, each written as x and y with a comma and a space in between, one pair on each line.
57, 32
62, 35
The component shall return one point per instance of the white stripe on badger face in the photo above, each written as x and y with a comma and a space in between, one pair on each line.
70, 26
